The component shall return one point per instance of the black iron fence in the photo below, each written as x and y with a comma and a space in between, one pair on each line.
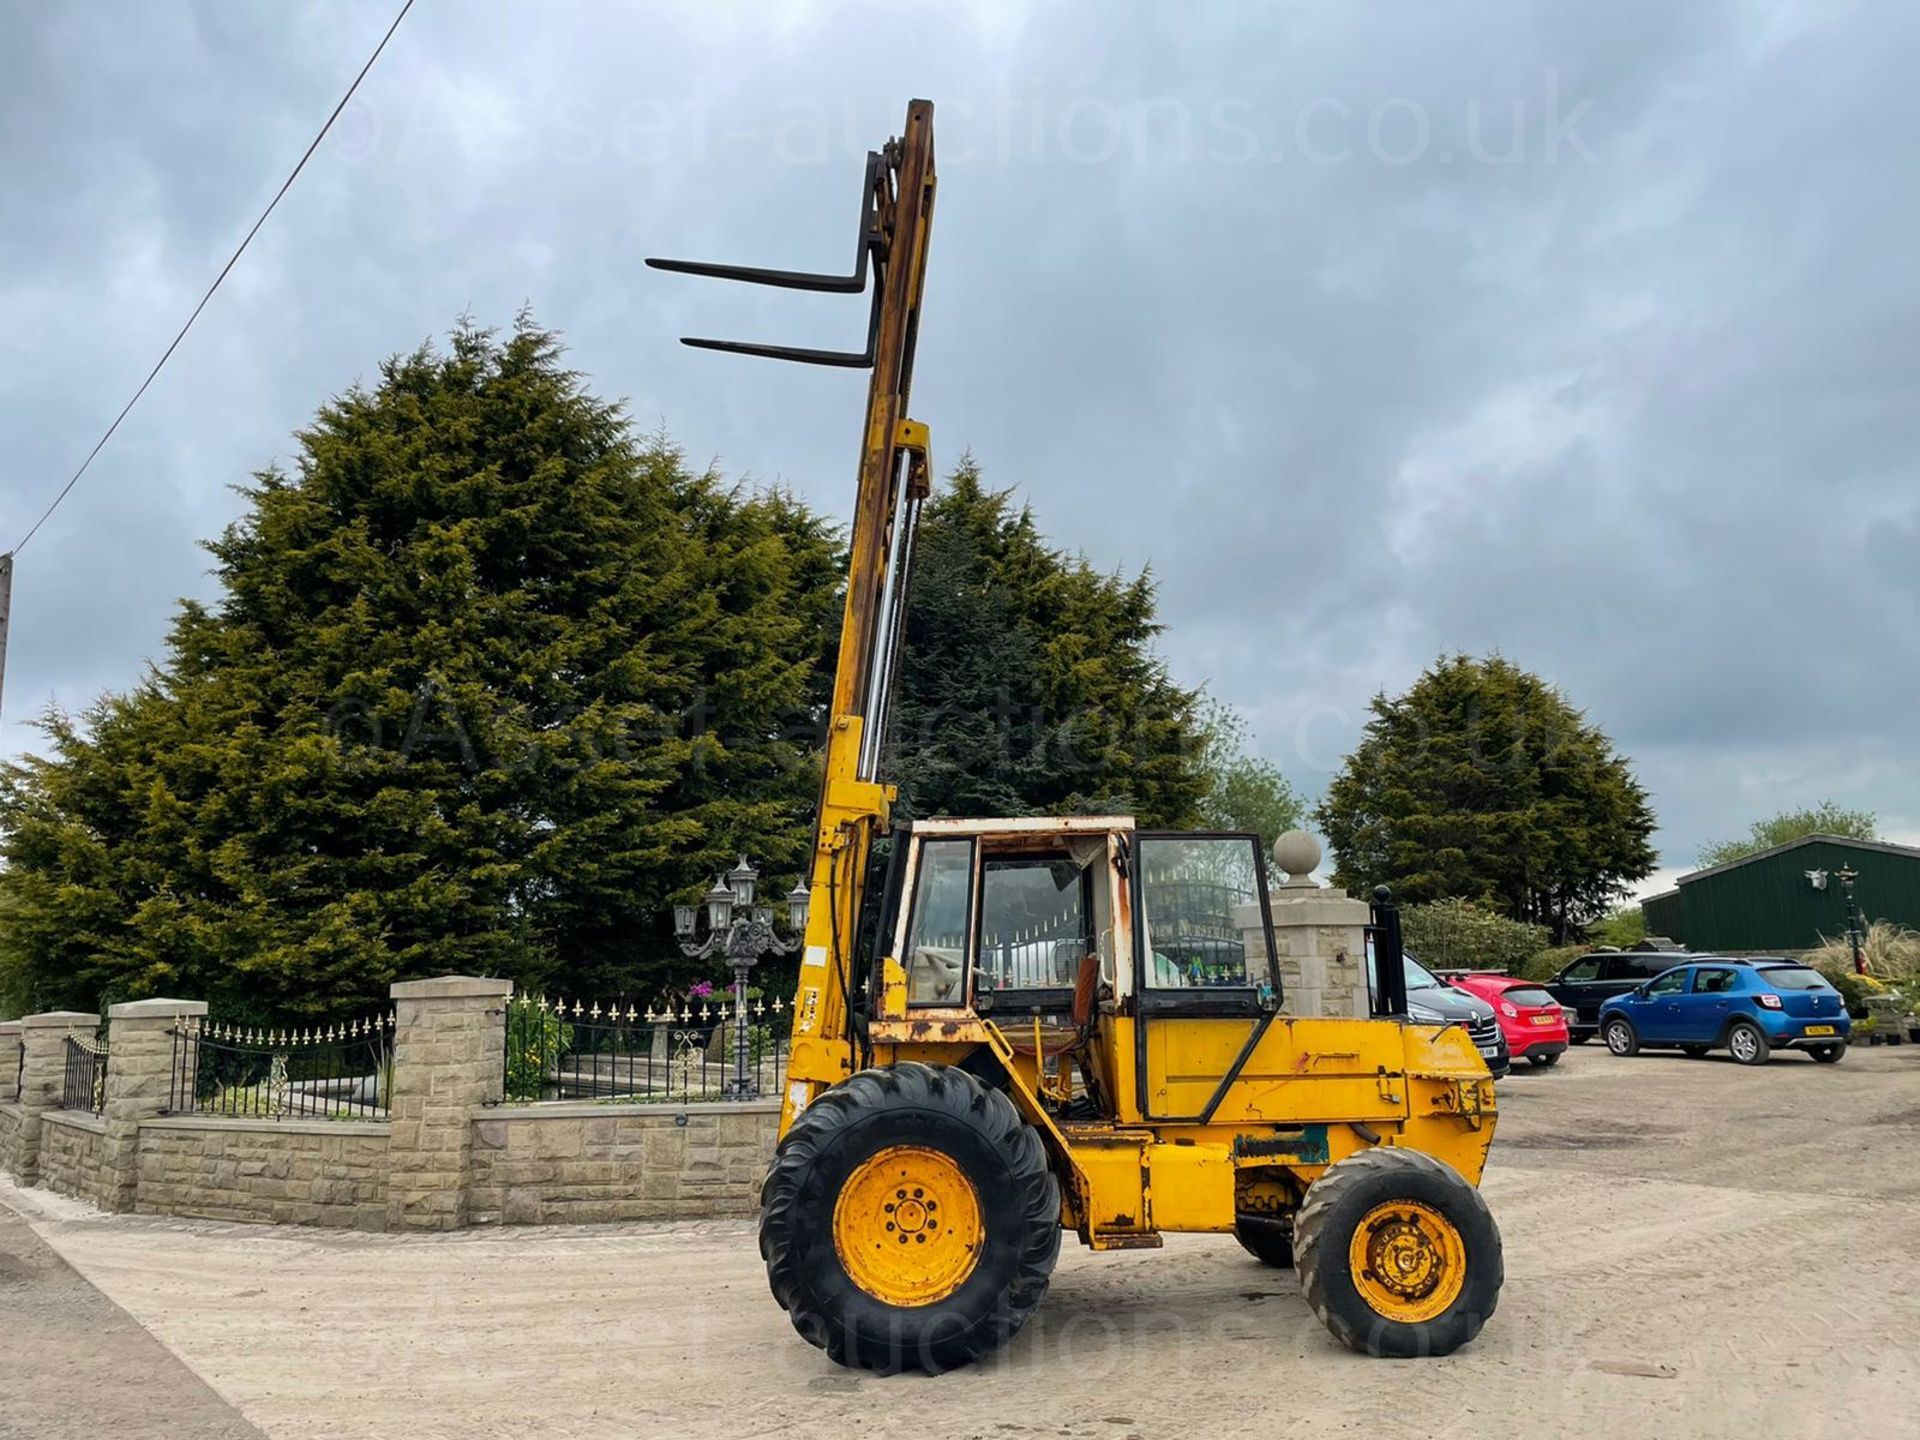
85, 1086
703, 1049
312, 1072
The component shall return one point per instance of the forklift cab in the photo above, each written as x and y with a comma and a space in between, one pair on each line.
1130, 968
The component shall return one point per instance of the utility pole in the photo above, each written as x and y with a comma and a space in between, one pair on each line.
6, 614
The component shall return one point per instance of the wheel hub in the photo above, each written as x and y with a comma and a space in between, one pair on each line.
1407, 1261
907, 1226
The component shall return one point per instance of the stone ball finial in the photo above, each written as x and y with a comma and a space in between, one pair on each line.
1298, 854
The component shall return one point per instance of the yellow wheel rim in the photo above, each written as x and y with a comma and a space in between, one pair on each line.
1408, 1261
907, 1226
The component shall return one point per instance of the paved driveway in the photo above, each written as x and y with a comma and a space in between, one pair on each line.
1692, 1249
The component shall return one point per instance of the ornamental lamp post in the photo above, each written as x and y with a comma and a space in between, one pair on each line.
743, 932
1846, 876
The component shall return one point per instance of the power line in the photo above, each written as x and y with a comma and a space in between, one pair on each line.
231, 262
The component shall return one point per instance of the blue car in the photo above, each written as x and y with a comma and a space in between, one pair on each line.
1748, 1007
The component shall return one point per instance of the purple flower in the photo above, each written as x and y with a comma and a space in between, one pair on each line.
700, 990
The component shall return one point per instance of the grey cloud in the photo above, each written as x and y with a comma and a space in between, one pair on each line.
1632, 406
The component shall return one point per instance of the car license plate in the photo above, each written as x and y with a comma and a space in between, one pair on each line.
1544, 1019
1819, 1029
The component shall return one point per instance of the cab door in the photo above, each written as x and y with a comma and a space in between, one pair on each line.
1204, 983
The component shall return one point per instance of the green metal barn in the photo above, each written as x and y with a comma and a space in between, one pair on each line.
1788, 898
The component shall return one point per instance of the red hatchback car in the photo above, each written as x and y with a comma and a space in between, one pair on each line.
1530, 1018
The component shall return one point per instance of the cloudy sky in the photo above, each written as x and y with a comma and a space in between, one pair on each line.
1587, 333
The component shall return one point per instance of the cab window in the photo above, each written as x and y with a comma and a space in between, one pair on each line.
1190, 887
1671, 983
1716, 981
1035, 922
936, 950
1581, 972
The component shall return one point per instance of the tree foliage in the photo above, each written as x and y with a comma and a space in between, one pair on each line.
1826, 818
1483, 783
490, 682
1029, 684
1242, 790
1620, 929
1456, 934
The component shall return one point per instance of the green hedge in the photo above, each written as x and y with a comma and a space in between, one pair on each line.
1458, 935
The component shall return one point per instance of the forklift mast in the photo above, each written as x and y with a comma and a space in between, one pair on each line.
896, 222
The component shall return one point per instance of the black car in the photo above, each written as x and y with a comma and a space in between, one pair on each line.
1592, 980
1432, 1001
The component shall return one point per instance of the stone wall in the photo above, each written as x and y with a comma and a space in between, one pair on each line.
71, 1147
319, 1172
536, 1164
449, 1155
12, 1120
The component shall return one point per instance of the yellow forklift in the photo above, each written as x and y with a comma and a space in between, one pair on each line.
1007, 1029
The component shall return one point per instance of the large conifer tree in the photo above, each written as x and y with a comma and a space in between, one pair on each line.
1030, 685
491, 682
1483, 783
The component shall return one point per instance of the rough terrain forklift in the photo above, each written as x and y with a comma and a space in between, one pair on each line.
1009, 1028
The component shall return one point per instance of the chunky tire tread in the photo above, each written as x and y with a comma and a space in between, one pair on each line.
1323, 1226
1020, 1202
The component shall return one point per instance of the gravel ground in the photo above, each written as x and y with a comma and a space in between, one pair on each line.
1692, 1249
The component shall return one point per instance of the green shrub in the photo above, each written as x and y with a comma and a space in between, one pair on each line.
1892, 954
1621, 930
1545, 964
1458, 935
535, 1039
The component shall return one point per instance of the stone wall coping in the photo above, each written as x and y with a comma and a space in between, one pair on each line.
451, 987
355, 1129
9, 1027
60, 1020
78, 1119
577, 1110
148, 1009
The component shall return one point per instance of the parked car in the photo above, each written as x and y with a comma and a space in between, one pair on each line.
1592, 980
1749, 1007
1431, 1001
1533, 1022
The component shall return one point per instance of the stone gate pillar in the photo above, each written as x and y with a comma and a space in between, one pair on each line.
449, 1055
139, 1082
1319, 935
43, 1079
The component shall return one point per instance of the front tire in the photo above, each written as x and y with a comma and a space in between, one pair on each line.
1398, 1255
1622, 1038
1748, 1044
1829, 1054
909, 1221
1268, 1238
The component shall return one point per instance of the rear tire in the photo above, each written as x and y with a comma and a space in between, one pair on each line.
1829, 1054
1268, 1238
1433, 1268
1622, 1039
1542, 1062
945, 1138
1748, 1044
1579, 1037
